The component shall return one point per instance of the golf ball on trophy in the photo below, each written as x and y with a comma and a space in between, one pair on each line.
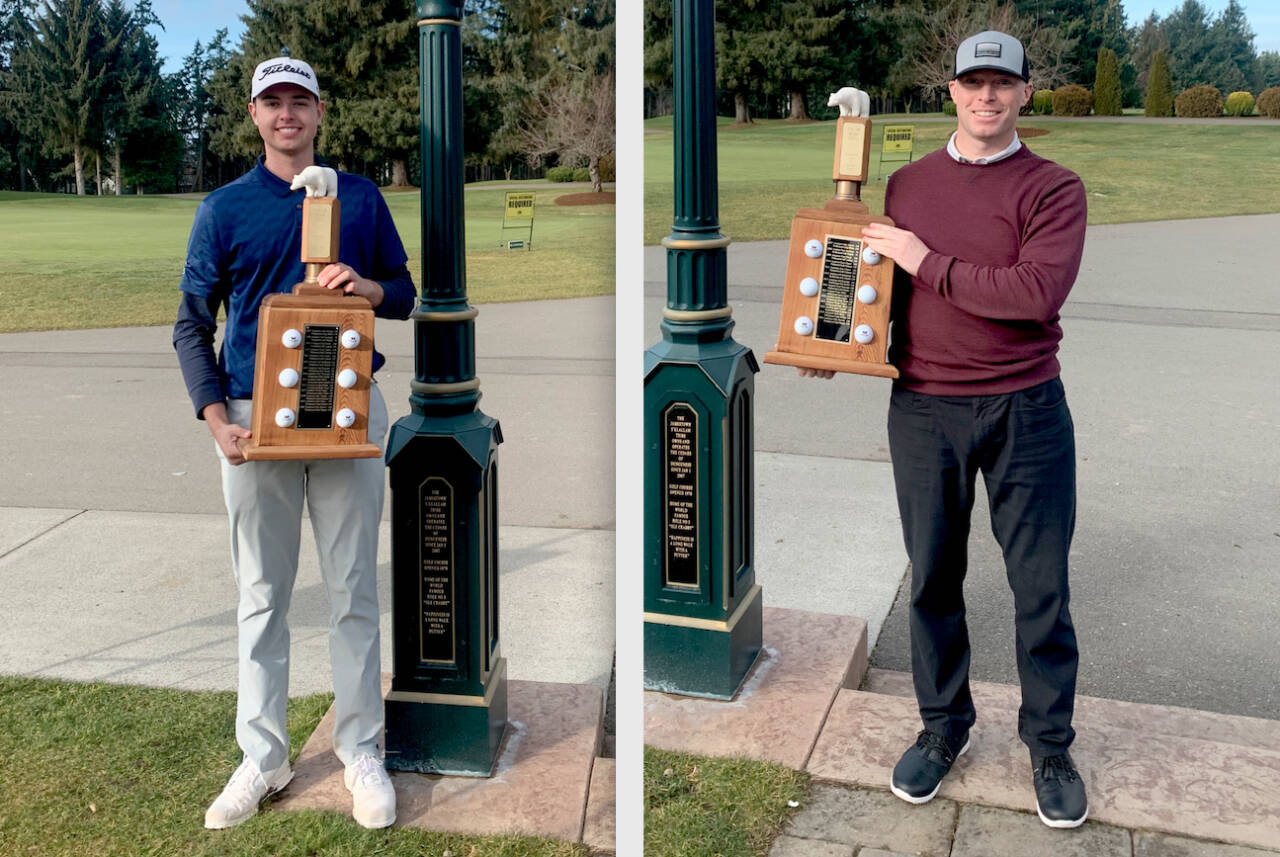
804, 325
813, 248
863, 333
347, 379
285, 417
346, 418
289, 378
867, 294
291, 339
350, 339
808, 287
871, 257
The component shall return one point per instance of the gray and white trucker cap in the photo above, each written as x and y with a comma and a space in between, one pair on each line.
992, 50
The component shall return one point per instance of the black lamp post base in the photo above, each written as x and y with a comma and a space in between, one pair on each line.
695, 657
430, 733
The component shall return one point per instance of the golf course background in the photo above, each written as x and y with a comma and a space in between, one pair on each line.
1132, 171
106, 261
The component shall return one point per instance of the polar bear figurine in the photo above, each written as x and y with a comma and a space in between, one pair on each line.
851, 101
319, 181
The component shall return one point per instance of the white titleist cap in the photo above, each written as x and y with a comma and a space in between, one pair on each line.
283, 70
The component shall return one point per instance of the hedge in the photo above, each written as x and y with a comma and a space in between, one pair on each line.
1198, 101
1072, 100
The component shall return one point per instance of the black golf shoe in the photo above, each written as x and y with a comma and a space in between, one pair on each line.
1060, 798
919, 772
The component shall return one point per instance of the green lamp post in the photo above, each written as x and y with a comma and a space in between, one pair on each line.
702, 621
447, 708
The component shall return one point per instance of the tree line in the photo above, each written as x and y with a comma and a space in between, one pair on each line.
85, 107
780, 58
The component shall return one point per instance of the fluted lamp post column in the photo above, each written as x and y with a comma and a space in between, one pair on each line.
702, 621
447, 708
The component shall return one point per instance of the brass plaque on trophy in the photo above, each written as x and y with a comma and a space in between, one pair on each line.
836, 298
314, 366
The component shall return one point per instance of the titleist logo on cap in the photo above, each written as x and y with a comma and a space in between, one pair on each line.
284, 67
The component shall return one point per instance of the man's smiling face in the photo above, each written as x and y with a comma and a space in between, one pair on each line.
987, 105
287, 117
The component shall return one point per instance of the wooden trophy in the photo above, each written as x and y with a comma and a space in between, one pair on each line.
314, 359
835, 307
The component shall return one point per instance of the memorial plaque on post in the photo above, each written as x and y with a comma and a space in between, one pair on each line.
314, 364
836, 298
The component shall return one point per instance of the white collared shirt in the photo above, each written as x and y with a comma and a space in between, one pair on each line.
998, 156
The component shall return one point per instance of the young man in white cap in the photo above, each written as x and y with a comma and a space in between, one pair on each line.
244, 246
987, 241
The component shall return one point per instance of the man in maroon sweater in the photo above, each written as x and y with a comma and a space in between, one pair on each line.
990, 236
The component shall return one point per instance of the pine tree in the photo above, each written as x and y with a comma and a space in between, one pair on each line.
1159, 87
1106, 87
58, 75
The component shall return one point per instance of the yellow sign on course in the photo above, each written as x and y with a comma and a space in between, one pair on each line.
897, 138
519, 206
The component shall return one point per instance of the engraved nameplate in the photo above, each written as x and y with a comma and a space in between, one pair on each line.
680, 495
839, 285
436, 584
319, 369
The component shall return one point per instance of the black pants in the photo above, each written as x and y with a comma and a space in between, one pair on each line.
1024, 445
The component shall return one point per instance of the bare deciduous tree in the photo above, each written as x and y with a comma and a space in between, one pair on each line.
955, 20
574, 120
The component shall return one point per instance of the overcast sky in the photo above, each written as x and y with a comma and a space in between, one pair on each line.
184, 22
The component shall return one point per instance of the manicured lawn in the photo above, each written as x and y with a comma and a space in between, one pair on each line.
1132, 172
118, 771
700, 807
77, 262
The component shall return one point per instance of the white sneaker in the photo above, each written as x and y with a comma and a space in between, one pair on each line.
247, 788
373, 798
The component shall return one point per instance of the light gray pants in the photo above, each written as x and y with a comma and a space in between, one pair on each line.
264, 504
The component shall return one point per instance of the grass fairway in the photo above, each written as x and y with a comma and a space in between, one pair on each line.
78, 262
118, 771
699, 807
1132, 172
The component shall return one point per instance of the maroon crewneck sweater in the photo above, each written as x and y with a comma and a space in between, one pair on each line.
981, 314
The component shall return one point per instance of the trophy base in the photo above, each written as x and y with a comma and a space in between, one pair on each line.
835, 364
257, 452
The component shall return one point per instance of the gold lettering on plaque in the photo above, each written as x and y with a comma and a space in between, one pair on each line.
436, 634
852, 139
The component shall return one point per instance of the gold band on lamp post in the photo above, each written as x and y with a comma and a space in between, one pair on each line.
439, 315
697, 314
696, 243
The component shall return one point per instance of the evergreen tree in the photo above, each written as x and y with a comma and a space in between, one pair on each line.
806, 56
1159, 88
195, 103
1146, 40
57, 76
1106, 87
1268, 70
743, 39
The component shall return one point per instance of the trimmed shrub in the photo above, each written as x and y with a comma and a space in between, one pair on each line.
949, 108
1042, 102
609, 168
1269, 102
581, 174
1072, 100
1106, 86
1203, 100
1239, 104
560, 174
1159, 87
